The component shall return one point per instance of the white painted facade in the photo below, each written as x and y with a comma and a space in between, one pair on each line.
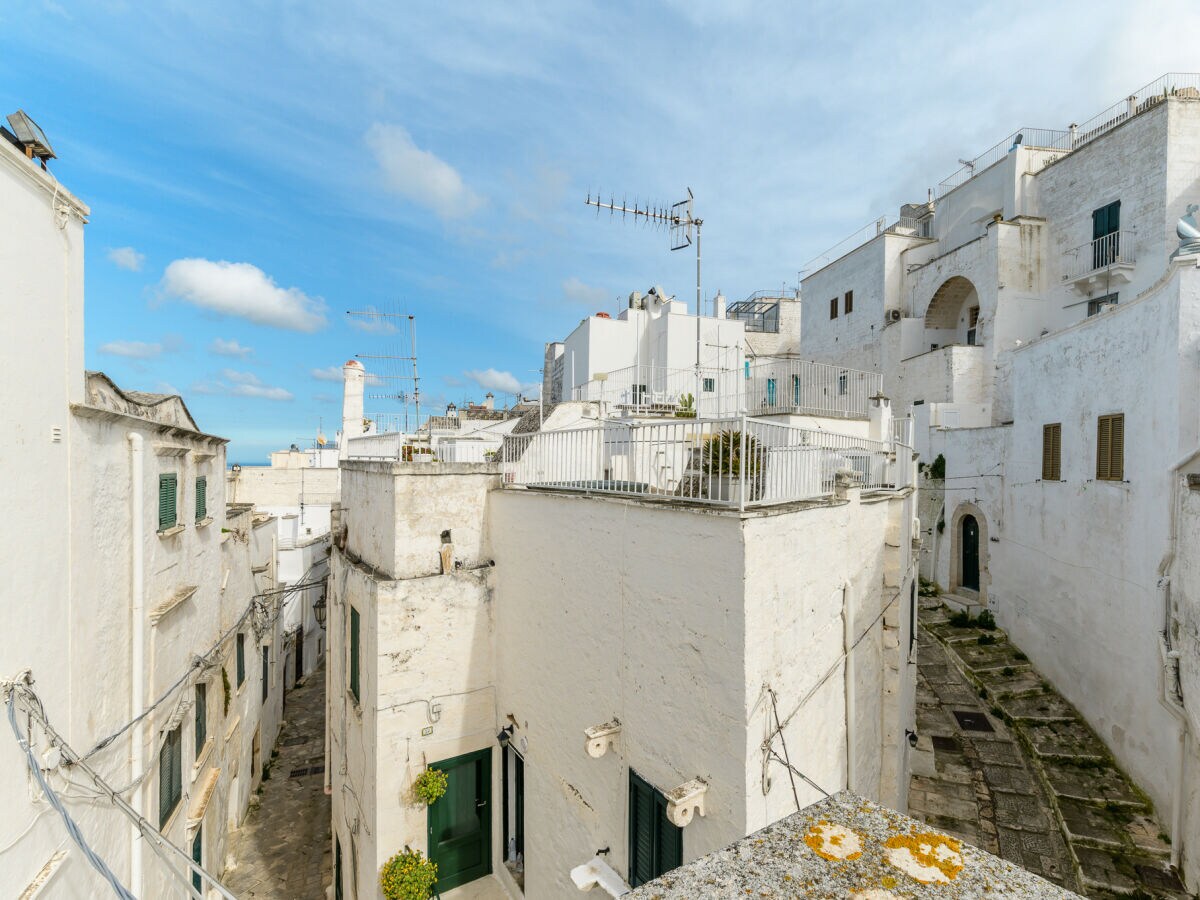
483, 608
107, 611
985, 320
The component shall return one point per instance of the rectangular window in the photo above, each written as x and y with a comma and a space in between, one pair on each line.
266, 671
795, 390
170, 774
1110, 447
513, 777
710, 385
848, 303
770, 392
972, 326
201, 717
354, 652
1106, 235
1094, 306
167, 517
201, 497
241, 659
833, 308
655, 845
1052, 452
198, 858
843, 383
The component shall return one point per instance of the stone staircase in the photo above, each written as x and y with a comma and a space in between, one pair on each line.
1116, 844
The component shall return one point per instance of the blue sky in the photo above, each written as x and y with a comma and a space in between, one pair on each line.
256, 169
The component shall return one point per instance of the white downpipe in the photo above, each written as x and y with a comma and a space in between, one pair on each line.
137, 602
848, 679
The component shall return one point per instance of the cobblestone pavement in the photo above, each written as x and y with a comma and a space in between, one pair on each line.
1006, 764
282, 849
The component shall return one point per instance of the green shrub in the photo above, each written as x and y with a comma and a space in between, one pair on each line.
986, 621
985, 639
408, 875
938, 469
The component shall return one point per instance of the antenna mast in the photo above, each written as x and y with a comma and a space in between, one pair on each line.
679, 217
381, 322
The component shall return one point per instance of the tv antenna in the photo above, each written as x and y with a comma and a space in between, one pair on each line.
679, 217
393, 370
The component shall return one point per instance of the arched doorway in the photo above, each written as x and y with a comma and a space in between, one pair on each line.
969, 548
952, 316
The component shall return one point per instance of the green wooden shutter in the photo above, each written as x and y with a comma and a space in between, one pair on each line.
655, 845
354, 652
266, 671
201, 716
170, 775
166, 501
198, 858
201, 497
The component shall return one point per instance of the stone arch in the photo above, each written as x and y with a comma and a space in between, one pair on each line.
947, 317
961, 512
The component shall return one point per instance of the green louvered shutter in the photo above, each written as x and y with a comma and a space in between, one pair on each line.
166, 501
201, 716
655, 845
170, 775
201, 497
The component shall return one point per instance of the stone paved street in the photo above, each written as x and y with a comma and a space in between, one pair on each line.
1005, 763
282, 849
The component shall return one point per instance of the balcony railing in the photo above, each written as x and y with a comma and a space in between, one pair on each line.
1116, 249
769, 386
733, 462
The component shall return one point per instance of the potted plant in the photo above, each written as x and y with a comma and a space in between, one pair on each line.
725, 468
408, 876
430, 785
686, 408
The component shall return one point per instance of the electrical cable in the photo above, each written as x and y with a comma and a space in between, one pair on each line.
72, 827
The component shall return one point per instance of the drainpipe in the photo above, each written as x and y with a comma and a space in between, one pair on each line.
848, 685
137, 602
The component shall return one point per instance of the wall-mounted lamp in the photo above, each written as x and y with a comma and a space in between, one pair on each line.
505, 736
236, 469
320, 610
912, 737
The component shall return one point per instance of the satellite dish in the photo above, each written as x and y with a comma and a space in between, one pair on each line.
320, 439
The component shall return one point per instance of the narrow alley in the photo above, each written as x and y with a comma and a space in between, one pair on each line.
1005, 763
282, 849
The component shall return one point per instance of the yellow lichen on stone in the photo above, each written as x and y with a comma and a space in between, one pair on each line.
834, 842
928, 857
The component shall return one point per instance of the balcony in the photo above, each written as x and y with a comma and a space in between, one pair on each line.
734, 462
1105, 263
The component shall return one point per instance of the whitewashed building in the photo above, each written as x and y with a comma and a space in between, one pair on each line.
139, 654
625, 649
1038, 319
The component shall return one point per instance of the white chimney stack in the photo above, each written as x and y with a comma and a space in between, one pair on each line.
355, 378
489, 400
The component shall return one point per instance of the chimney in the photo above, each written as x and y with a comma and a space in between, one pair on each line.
352, 404
489, 400
719, 306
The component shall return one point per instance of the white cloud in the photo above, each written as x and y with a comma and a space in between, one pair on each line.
127, 258
585, 295
372, 324
496, 381
222, 347
244, 290
418, 174
132, 349
241, 384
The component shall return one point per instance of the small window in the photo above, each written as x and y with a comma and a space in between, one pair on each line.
972, 326
241, 659
354, 652
201, 716
833, 308
655, 844
198, 859
513, 814
770, 392
1110, 447
1052, 452
170, 774
266, 671
167, 517
1097, 305
201, 498
843, 383
710, 385
848, 303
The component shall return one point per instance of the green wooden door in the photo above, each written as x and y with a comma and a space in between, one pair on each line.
460, 822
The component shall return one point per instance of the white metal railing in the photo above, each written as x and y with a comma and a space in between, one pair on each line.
904, 431
1114, 249
388, 422
658, 389
444, 423
905, 225
734, 462
809, 388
